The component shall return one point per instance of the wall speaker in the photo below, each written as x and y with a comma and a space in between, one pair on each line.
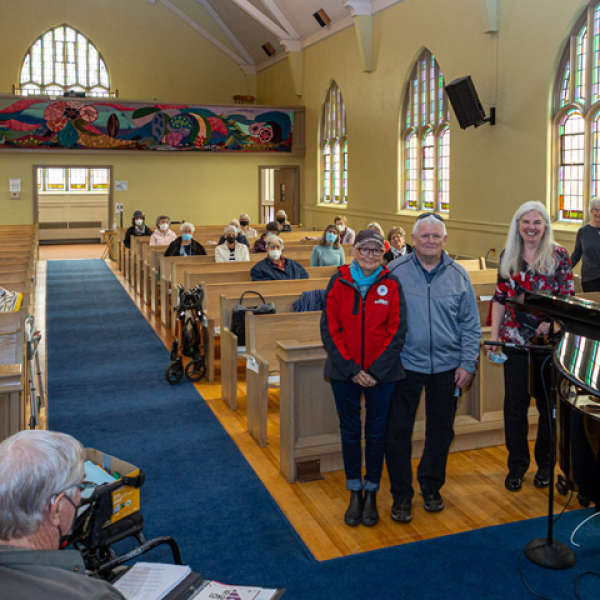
268, 48
465, 102
322, 18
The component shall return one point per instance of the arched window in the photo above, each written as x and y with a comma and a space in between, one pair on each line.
334, 148
62, 60
576, 111
425, 138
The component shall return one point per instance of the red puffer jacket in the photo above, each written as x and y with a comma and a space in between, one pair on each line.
363, 334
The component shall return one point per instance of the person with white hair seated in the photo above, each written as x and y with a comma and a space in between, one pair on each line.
587, 247
240, 237
185, 245
231, 249
41, 477
281, 218
248, 231
275, 266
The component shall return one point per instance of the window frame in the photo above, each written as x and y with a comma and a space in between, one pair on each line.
333, 134
425, 110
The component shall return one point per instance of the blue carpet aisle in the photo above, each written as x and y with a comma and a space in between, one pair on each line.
107, 388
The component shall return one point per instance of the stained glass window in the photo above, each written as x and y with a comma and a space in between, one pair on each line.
62, 60
576, 97
334, 148
426, 138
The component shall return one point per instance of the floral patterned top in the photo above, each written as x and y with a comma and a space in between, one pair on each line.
518, 326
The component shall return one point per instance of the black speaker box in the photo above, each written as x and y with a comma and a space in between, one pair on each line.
465, 102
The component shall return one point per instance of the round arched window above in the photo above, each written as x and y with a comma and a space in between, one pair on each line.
63, 60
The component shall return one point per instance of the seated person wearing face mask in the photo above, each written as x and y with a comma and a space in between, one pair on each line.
184, 245
329, 252
281, 218
260, 245
163, 234
248, 231
138, 228
231, 249
240, 237
41, 474
275, 266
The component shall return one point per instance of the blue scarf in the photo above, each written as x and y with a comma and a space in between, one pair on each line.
363, 282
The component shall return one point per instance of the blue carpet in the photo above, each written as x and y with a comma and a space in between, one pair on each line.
107, 388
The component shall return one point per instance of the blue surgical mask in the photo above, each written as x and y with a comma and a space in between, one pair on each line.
186, 236
330, 237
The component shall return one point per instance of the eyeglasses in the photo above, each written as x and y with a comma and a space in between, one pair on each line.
371, 251
430, 214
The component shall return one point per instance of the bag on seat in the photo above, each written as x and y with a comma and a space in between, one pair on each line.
238, 315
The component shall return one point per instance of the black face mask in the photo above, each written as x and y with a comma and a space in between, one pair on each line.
281, 219
230, 239
244, 223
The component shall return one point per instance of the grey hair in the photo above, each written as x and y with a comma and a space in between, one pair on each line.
189, 225
34, 465
429, 219
513, 248
269, 239
594, 202
229, 228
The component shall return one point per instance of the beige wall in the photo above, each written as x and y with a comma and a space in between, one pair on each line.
150, 54
493, 169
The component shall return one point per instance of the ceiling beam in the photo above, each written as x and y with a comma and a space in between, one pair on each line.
272, 6
261, 18
247, 68
234, 40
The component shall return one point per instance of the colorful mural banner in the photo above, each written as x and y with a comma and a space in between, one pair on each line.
92, 124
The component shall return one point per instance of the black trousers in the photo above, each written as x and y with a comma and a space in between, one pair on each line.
592, 285
517, 398
440, 409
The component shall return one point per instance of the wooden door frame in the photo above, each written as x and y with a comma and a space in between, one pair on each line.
260, 185
111, 185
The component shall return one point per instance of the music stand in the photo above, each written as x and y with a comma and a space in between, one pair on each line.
577, 317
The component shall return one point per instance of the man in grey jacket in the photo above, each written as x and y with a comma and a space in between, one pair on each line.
440, 354
41, 475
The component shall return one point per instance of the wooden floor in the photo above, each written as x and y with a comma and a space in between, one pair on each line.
474, 493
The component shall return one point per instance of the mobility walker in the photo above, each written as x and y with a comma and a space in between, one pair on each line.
191, 337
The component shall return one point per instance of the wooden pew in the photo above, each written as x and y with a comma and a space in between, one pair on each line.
262, 333
221, 298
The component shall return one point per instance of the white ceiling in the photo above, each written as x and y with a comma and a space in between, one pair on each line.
240, 27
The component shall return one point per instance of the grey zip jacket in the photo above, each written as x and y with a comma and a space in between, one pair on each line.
443, 329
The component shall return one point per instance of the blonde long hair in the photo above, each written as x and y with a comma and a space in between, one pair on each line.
513, 249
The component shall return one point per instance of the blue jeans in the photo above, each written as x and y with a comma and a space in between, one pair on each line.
377, 401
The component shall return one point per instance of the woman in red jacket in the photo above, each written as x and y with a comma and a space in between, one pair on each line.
363, 328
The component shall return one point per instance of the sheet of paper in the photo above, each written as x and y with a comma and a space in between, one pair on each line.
213, 590
151, 581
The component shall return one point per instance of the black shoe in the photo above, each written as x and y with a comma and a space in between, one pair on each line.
370, 516
433, 502
354, 512
401, 511
513, 483
542, 478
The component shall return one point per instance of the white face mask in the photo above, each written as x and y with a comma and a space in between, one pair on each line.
164, 226
275, 254
139, 222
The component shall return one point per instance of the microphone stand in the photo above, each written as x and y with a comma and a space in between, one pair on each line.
546, 552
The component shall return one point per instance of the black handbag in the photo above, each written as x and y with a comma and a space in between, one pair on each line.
238, 315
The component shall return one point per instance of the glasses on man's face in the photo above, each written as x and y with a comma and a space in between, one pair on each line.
371, 251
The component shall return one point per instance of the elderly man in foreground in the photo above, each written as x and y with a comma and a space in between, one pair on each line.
41, 474
440, 354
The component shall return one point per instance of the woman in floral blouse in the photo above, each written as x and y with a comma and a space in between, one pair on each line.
530, 261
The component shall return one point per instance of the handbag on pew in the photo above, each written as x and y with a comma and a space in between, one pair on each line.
238, 315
